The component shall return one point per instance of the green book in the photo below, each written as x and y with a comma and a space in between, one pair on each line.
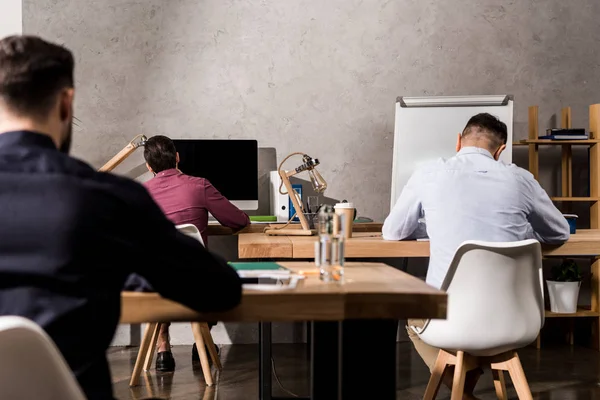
257, 266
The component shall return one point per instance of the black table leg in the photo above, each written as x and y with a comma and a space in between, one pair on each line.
404, 267
369, 359
264, 360
308, 338
354, 359
325, 360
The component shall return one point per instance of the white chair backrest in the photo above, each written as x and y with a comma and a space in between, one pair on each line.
495, 299
190, 230
31, 367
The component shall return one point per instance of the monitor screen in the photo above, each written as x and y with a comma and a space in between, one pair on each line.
230, 165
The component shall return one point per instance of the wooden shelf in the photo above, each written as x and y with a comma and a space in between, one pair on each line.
582, 199
556, 142
581, 312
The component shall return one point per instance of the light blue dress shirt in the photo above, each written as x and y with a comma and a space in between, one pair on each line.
471, 196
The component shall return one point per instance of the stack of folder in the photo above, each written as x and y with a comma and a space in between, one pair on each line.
565, 134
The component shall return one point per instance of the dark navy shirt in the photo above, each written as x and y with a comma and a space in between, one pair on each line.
69, 238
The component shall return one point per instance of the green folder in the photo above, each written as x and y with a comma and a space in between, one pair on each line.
263, 218
257, 266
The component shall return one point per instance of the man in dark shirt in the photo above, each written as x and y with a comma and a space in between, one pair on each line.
70, 236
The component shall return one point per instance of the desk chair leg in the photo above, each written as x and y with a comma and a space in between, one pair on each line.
499, 384
201, 346
141, 357
152, 348
437, 374
460, 373
210, 345
510, 362
517, 375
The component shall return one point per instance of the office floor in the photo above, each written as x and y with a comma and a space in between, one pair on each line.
554, 373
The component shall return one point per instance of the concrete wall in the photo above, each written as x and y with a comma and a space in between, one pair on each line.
314, 76
11, 20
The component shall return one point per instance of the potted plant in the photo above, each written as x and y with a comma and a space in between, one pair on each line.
563, 288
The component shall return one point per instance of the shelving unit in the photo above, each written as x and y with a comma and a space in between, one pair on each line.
581, 312
566, 197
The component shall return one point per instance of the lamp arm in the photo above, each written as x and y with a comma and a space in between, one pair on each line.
123, 154
287, 173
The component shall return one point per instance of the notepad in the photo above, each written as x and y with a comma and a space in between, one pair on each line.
265, 275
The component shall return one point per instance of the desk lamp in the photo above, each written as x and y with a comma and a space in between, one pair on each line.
124, 153
318, 183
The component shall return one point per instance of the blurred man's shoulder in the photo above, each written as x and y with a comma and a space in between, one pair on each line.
119, 185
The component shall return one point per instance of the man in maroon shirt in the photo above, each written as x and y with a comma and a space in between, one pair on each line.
183, 199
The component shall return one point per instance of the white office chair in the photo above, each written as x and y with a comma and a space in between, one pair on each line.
31, 367
192, 231
201, 332
495, 306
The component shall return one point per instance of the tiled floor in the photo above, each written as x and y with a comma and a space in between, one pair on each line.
554, 373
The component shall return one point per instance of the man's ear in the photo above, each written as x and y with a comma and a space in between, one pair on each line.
149, 168
458, 144
177, 157
498, 152
66, 104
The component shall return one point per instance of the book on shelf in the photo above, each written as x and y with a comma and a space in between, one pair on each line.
564, 134
564, 137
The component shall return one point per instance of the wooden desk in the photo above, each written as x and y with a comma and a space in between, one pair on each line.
371, 290
349, 319
586, 242
220, 230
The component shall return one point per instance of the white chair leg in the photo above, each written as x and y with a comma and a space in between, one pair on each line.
499, 384
201, 346
460, 373
210, 345
510, 362
152, 348
437, 374
141, 357
517, 375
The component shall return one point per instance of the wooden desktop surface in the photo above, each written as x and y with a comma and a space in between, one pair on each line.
220, 230
370, 244
370, 290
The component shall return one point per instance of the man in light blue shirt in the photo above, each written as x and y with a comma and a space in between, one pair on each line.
472, 196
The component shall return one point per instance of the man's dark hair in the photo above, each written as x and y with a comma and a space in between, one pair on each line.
32, 73
160, 153
488, 125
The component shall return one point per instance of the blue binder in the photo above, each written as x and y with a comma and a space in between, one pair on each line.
297, 188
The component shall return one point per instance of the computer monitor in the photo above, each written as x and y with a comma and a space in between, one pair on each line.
230, 165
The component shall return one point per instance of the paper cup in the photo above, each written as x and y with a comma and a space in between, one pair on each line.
345, 221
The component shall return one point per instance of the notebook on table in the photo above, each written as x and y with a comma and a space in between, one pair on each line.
264, 275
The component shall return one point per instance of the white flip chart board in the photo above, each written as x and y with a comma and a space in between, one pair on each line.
11, 17
426, 129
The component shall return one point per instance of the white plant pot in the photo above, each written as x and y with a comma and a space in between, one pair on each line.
563, 296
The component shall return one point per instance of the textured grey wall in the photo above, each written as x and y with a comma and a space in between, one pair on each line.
313, 75
319, 76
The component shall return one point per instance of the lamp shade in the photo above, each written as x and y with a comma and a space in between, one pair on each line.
318, 183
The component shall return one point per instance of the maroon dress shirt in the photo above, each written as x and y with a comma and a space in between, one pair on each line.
187, 200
